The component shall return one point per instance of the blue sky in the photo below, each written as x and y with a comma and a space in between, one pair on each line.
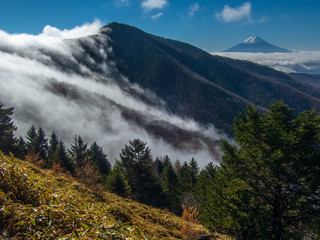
212, 25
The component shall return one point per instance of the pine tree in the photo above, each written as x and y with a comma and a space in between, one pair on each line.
203, 192
136, 166
194, 170
117, 183
185, 178
157, 167
61, 157
20, 148
41, 144
53, 145
170, 185
78, 151
268, 185
32, 139
7, 129
96, 154
186, 186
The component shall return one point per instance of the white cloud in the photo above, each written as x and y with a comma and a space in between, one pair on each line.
77, 32
149, 5
295, 61
229, 14
122, 2
155, 16
53, 82
193, 9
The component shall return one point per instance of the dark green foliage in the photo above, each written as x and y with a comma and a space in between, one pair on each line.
194, 168
268, 185
53, 145
136, 166
37, 142
41, 144
170, 185
78, 151
185, 178
31, 139
203, 193
96, 154
117, 183
20, 147
7, 129
62, 158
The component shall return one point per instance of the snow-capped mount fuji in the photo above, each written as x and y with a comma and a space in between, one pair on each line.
255, 45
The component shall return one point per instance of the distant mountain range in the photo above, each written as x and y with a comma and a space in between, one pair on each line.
256, 44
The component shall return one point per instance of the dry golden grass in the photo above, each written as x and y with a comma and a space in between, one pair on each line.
38, 204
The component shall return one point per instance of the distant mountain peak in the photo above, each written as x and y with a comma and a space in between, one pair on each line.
253, 39
256, 44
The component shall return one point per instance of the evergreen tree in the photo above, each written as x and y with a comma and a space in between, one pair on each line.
117, 183
157, 167
20, 148
53, 145
268, 185
60, 156
37, 142
186, 186
194, 170
7, 129
185, 178
136, 166
78, 151
32, 140
41, 144
170, 185
202, 190
96, 154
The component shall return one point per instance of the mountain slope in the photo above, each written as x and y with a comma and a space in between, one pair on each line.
36, 204
123, 83
256, 44
195, 84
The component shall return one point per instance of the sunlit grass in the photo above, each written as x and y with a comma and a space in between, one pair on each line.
37, 203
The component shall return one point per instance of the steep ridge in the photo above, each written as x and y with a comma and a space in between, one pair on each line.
193, 83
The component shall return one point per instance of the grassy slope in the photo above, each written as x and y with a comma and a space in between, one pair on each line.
34, 203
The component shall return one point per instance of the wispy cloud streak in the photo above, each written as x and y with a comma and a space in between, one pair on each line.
193, 9
295, 61
155, 16
52, 80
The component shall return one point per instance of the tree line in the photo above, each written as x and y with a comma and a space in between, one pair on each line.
266, 187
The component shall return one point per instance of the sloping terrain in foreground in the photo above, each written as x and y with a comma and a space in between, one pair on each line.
35, 204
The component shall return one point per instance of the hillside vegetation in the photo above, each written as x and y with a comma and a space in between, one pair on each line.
37, 204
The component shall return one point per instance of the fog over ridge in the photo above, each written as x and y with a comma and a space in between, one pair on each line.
290, 62
64, 81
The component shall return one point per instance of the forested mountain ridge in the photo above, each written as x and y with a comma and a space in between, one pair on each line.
193, 83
